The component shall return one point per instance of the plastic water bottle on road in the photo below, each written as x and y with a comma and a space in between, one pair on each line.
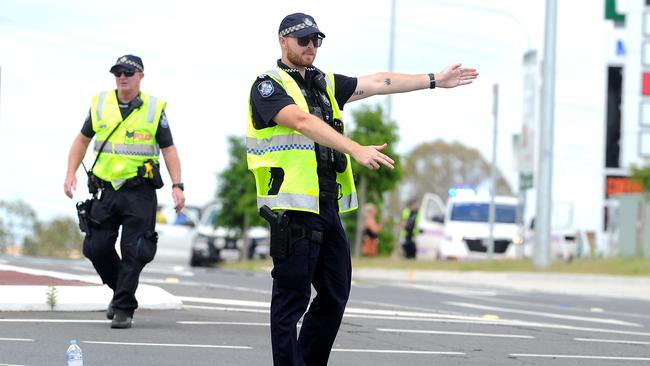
74, 356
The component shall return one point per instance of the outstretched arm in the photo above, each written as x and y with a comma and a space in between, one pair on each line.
390, 82
313, 127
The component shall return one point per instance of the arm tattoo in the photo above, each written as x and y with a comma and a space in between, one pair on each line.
358, 92
387, 81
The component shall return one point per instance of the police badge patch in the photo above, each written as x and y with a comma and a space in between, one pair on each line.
163, 121
265, 88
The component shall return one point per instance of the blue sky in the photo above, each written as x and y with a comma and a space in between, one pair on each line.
202, 58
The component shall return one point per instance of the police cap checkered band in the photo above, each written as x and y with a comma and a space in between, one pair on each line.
129, 62
299, 25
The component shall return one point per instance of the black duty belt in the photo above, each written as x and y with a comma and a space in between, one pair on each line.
301, 232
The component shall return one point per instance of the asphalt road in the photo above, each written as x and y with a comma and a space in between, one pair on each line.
225, 322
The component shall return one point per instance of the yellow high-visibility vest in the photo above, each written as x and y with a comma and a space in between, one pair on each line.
134, 141
285, 148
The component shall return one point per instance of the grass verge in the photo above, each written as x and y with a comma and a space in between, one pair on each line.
609, 266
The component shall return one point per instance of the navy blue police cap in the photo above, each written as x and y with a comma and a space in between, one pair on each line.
129, 62
299, 25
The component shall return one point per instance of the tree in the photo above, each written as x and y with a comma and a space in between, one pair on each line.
236, 190
641, 173
17, 222
438, 166
59, 238
372, 128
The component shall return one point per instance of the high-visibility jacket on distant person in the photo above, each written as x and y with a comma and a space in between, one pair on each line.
134, 141
294, 153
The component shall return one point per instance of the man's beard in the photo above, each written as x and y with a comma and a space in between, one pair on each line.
296, 59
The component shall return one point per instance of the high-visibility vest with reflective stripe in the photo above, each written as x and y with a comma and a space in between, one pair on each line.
134, 141
282, 147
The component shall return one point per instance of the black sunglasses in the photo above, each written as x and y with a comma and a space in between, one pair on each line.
304, 41
126, 73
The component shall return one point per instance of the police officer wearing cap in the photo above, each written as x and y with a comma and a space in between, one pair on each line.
130, 129
300, 158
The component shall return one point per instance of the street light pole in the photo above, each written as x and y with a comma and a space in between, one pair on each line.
391, 56
541, 257
493, 171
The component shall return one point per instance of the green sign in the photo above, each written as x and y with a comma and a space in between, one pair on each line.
610, 11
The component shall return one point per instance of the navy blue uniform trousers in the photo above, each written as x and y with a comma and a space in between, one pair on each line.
133, 208
328, 268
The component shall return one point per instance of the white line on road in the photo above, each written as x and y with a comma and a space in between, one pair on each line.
167, 345
620, 341
495, 335
544, 314
349, 311
451, 291
508, 323
52, 321
9, 364
396, 351
232, 302
221, 308
581, 357
209, 285
222, 323
16, 340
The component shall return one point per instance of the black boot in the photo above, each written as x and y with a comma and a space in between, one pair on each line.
110, 312
121, 320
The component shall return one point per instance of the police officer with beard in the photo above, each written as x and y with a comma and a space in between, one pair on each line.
300, 158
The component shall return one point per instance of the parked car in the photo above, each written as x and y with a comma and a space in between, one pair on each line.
175, 233
212, 244
460, 229
564, 242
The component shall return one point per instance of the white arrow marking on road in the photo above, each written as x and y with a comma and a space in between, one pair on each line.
543, 314
454, 333
621, 341
167, 345
581, 357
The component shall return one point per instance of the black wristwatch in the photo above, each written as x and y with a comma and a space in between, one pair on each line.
180, 186
432, 81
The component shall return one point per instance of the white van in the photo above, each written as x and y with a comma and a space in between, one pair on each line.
460, 229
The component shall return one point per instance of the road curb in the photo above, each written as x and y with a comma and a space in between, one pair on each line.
93, 296
620, 287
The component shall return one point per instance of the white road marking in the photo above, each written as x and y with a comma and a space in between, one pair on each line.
17, 339
204, 300
166, 345
223, 323
396, 351
220, 308
60, 275
450, 291
581, 357
208, 284
349, 311
52, 321
495, 335
478, 321
544, 314
620, 341
9, 364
